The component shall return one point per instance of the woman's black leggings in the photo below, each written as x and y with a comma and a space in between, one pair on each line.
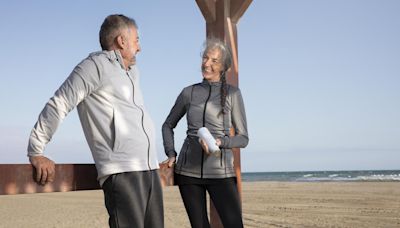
225, 198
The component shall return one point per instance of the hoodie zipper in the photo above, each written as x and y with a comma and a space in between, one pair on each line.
144, 130
204, 124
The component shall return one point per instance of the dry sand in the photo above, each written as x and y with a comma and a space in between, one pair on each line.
265, 204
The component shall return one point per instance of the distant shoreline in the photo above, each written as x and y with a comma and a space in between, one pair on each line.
325, 176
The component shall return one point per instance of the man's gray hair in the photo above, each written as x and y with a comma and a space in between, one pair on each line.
111, 28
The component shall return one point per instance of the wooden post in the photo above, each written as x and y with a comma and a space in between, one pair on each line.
221, 18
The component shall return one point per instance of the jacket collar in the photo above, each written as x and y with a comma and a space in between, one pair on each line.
115, 55
205, 82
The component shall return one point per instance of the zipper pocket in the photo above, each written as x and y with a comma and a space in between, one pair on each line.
185, 154
220, 159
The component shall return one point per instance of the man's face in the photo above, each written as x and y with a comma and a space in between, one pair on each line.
132, 46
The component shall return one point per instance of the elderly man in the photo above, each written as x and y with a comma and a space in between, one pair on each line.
117, 127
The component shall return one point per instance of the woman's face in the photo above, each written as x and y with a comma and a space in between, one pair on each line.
212, 66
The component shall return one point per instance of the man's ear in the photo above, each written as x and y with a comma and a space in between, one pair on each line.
120, 42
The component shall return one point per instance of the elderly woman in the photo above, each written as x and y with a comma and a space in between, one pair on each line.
217, 106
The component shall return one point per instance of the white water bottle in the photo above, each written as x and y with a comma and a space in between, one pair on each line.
206, 136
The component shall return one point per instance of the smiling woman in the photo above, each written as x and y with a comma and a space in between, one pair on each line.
216, 60
219, 107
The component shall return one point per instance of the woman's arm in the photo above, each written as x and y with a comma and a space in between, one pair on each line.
176, 113
241, 138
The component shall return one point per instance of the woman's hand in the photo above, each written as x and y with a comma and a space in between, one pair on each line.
170, 161
218, 142
205, 147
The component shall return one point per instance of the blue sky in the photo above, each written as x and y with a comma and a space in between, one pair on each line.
320, 79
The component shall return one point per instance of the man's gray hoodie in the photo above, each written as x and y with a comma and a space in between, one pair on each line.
117, 127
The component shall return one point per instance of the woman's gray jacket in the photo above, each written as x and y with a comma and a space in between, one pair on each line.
202, 105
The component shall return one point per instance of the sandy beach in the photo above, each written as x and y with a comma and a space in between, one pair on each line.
265, 204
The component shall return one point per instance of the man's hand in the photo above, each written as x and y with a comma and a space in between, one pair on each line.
170, 161
45, 169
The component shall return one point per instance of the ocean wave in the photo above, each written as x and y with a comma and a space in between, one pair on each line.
315, 176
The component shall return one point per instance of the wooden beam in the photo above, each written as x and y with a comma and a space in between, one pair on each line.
238, 7
19, 178
207, 8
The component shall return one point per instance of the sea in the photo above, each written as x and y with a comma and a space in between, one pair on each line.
320, 176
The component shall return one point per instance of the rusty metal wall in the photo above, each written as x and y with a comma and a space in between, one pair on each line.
18, 179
